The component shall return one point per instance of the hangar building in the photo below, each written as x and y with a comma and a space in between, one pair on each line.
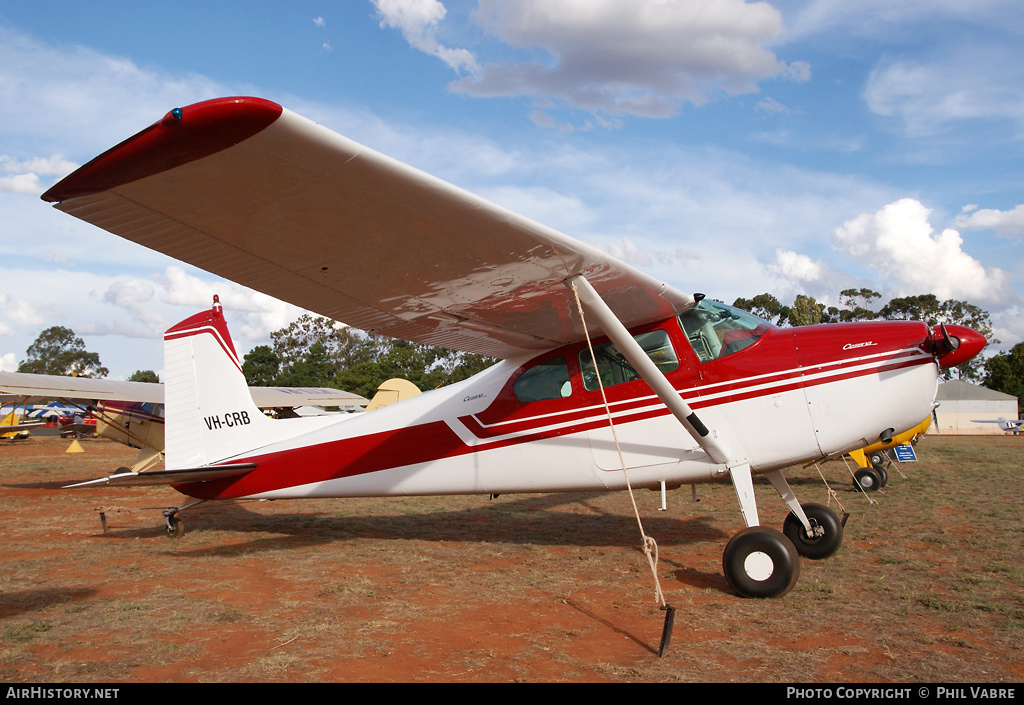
960, 402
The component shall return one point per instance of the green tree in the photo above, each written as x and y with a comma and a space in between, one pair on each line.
805, 311
261, 366
763, 306
57, 351
858, 304
316, 352
1004, 372
314, 369
144, 376
923, 307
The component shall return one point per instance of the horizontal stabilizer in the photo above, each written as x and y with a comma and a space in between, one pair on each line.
170, 477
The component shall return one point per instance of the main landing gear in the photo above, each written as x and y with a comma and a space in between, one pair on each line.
871, 479
763, 562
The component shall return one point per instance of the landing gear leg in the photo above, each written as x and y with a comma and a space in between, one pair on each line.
814, 529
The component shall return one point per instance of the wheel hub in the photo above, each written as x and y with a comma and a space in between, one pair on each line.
759, 566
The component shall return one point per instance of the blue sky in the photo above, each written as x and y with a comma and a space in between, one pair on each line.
729, 147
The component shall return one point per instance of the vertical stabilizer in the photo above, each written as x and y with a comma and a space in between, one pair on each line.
209, 412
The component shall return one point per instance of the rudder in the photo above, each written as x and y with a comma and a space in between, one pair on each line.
209, 413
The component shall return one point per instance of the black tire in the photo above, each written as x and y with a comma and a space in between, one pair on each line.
876, 458
883, 473
867, 479
818, 547
175, 528
761, 562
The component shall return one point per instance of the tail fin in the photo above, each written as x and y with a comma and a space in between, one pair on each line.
209, 412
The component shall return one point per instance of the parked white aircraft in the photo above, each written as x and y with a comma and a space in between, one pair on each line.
695, 391
1009, 425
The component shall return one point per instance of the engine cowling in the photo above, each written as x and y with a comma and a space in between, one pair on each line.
954, 345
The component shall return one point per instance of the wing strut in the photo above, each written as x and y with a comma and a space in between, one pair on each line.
716, 447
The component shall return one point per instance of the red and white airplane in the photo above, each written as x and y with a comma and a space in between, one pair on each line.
689, 390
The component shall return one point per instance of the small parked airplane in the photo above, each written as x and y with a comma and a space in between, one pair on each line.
13, 429
609, 378
132, 413
1009, 425
872, 474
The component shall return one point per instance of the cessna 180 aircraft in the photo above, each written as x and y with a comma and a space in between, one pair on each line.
608, 379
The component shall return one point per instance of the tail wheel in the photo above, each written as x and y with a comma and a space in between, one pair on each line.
828, 532
175, 527
867, 479
761, 562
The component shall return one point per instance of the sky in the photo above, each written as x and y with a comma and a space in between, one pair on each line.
730, 148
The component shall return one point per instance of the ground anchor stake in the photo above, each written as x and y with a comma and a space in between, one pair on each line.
666, 631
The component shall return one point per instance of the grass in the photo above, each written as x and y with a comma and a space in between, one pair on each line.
926, 588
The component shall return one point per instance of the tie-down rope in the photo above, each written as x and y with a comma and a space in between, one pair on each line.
650, 545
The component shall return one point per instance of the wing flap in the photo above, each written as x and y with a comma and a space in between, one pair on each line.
309, 217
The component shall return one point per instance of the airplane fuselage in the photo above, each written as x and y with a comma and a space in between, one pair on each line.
541, 425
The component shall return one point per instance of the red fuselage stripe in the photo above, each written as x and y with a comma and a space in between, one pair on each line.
436, 440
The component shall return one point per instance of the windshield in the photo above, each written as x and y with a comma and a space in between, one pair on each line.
716, 330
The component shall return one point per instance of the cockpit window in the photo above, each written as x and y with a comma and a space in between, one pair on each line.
613, 367
716, 330
545, 380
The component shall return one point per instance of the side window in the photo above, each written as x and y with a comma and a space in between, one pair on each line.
545, 380
716, 330
615, 369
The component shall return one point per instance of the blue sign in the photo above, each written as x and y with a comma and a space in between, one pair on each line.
905, 454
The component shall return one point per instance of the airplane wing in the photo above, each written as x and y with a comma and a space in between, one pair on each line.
33, 386
18, 427
254, 193
56, 386
291, 397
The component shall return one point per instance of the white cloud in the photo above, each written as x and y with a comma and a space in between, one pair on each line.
9, 362
874, 19
25, 175
1009, 222
49, 92
899, 243
929, 96
418, 21
792, 265
27, 184
627, 251
55, 165
255, 315
642, 58
319, 21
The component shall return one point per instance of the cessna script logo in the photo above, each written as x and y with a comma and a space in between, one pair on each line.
854, 346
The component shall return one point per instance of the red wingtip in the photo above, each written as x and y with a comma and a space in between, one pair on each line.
181, 136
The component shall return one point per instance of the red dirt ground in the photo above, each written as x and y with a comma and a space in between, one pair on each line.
519, 588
